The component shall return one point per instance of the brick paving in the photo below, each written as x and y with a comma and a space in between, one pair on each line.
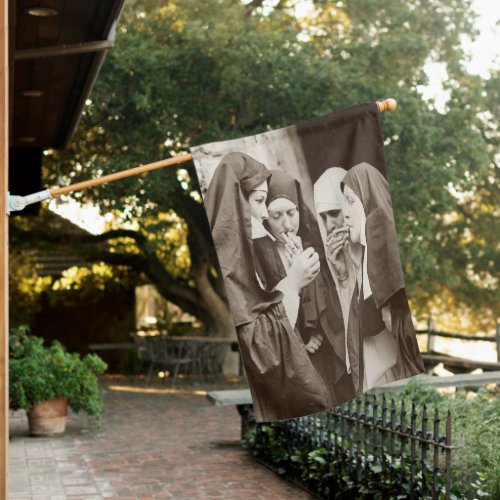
150, 445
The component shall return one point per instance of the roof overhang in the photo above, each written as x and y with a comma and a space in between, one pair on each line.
56, 52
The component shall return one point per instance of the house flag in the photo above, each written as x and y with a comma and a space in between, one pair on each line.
303, 226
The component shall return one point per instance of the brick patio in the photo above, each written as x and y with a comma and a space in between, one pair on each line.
150, 445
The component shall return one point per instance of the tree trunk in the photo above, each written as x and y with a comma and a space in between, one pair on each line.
221, 321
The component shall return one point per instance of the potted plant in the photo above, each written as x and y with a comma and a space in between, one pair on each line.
45, 380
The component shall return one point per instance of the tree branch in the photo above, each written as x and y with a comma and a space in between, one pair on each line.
118, 233
137, 262
172, 289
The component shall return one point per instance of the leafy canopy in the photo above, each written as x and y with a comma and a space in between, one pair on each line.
186, 72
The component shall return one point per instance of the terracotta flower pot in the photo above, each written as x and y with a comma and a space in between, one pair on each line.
48, 418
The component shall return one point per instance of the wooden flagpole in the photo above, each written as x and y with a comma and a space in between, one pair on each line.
121, 175
386, 105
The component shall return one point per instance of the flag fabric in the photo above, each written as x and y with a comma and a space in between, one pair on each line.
304, 230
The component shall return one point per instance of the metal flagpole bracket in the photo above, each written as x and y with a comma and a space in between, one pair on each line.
16, 203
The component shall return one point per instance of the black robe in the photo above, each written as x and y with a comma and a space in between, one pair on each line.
384, 268
281, 377
320, 310
315, 317
365, 320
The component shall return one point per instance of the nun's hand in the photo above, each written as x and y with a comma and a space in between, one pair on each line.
289, 254
290, 248
297, 242
314, 343
336, 256
293, 243
304, 268
339, 234
333, 249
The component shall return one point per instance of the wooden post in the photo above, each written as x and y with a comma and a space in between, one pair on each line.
4, 247
498, 341
431, 325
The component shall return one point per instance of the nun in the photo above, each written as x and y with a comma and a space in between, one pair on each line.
389, 345
296, 246
283, 382
334, 233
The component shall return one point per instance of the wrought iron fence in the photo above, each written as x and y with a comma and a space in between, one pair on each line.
371, 441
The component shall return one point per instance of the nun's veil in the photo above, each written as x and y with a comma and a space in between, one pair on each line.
328, 196
327, 193
384, 263
228, 211
282, 185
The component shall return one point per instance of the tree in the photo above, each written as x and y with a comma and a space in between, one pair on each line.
188, 72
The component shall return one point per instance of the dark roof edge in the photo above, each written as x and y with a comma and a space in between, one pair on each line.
109, 33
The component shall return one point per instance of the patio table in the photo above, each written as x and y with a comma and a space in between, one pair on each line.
202, 351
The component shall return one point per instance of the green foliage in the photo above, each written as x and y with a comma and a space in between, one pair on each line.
189, 72
421, 394
475, 434
475, 464
29, 291
38, 373
25, 286
333, 473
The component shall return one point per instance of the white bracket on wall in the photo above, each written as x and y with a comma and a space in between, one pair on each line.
16, 203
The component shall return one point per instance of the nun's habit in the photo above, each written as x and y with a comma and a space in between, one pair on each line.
282, 380
319, 309
327, 197
383, 266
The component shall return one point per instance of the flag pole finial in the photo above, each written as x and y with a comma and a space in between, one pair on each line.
387, 105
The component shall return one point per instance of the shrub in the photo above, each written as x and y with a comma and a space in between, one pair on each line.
475, 464
38, 373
